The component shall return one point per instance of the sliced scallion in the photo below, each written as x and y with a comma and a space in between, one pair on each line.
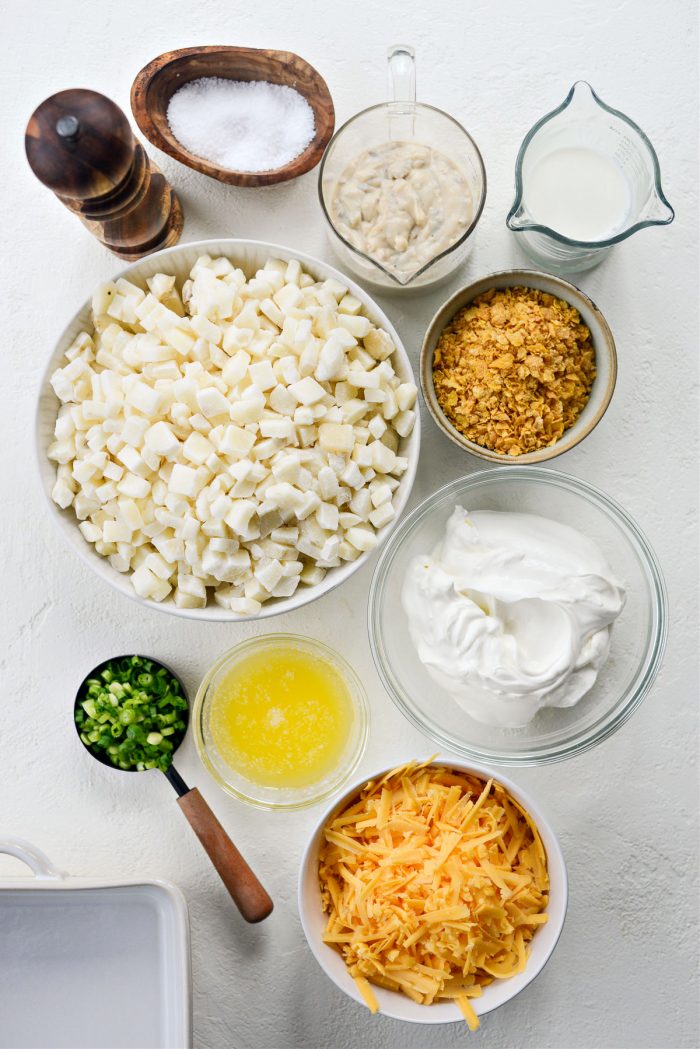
130, 712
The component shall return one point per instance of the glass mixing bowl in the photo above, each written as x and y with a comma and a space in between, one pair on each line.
232, 780
638, 635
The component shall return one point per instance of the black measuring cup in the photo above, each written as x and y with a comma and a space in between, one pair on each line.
247, 893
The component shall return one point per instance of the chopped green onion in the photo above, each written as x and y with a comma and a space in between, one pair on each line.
126, 713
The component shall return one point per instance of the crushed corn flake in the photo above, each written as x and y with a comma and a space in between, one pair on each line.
514, 369
434, 883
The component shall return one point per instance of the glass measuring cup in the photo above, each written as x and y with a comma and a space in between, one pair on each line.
583, 123
402, 119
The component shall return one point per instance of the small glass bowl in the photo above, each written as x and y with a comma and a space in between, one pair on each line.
638, 635
240, 786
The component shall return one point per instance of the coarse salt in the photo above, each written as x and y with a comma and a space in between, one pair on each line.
241, 125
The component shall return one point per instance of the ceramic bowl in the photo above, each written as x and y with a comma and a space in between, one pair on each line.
250, 256
392, 1003
603, 342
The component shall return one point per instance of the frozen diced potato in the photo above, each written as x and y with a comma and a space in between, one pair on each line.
235, 368
361, 537
148, 585
269, 574
62, 494
308, 503
249, 408
197, 448
336, 437
327, 483
352, 476
236, 442
354, 410
211, 402
383, 458
307, 391
361, 504
358, 326
161, 439
239, 516
280, 428
184, 481
311, 575
406, 396
404, 422
376, 426
382, 515
282, 401
287, 467
327, 516
262, 375
284, 496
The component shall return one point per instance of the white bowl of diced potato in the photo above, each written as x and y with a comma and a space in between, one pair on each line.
392, 1003
237, 456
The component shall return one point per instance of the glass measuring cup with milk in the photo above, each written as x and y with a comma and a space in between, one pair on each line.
586, 177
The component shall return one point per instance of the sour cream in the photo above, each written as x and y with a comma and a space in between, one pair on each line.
511, 613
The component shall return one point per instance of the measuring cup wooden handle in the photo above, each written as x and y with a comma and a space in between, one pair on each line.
248, 894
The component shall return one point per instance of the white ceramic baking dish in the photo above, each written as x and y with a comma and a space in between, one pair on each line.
91, 964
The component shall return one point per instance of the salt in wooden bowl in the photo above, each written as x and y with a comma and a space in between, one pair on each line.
158, 81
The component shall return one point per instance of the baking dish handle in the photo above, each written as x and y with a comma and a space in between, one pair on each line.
41, 865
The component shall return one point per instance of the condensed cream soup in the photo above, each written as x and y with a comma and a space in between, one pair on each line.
402, 204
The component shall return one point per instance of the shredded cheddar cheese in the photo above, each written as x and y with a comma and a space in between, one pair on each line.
434, 883
468, 1012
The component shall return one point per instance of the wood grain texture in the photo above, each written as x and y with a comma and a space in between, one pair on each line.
103, 174
246, 891
157, 82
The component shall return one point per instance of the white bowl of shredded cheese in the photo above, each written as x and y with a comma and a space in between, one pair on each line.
315, 920
218, 586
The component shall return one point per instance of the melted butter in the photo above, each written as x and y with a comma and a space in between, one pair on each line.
281, 717
403, 204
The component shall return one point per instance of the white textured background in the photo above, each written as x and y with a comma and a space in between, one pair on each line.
623, 974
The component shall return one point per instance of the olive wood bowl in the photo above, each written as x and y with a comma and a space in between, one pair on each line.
158, 81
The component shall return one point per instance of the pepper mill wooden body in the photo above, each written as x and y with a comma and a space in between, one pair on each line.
80, 145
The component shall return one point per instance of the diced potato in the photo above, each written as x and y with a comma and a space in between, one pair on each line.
336, 437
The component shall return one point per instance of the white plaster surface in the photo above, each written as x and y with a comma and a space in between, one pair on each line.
624, 972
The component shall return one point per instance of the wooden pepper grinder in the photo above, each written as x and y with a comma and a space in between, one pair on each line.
80, 145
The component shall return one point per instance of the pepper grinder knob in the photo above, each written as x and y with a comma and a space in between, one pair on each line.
68, 127
80, 144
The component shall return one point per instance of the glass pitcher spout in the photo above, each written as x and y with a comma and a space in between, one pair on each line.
518, 218
658, 211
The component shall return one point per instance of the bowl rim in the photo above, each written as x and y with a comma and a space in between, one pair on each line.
398, 284
214, 613
299, 165
462, 297
360, 704
644, 677
555, 861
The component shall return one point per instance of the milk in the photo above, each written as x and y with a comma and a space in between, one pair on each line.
578, 193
